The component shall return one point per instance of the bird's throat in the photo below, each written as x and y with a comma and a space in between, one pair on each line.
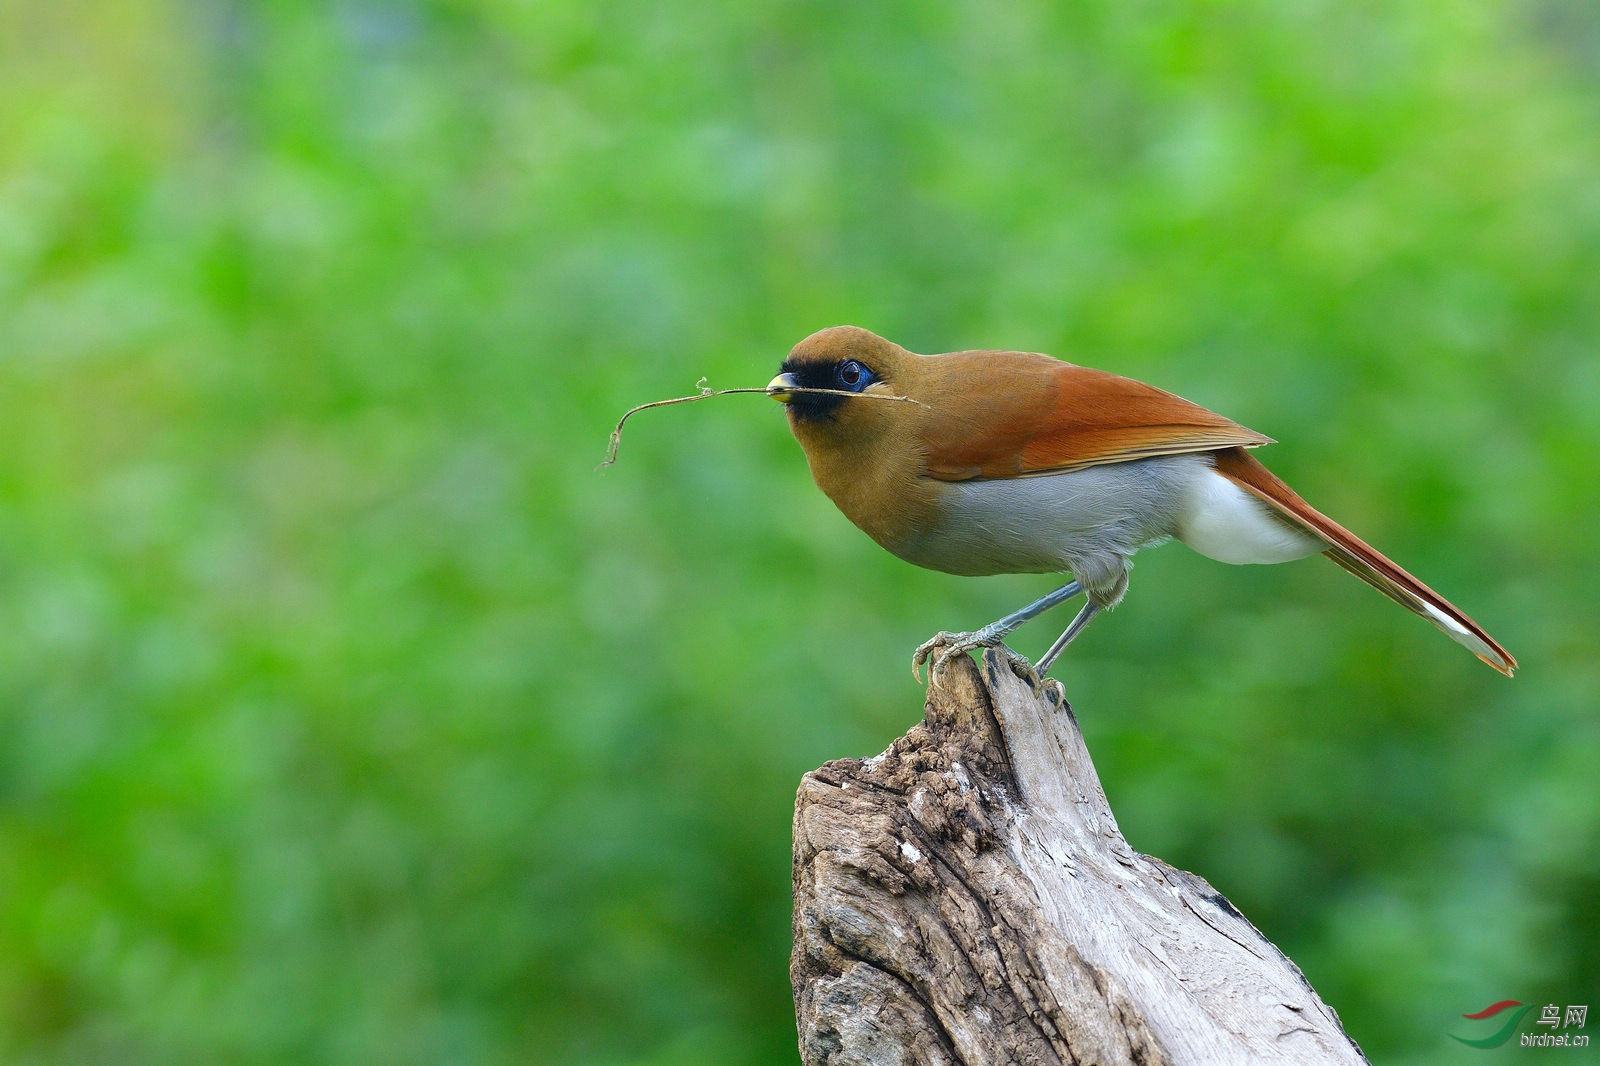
889, 501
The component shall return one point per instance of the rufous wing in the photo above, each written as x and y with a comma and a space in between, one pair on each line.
1021, 414
1363, 560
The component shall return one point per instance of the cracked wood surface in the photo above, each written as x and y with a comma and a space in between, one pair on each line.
967, 898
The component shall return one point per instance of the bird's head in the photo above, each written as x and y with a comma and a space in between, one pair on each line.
863, 447
845, 360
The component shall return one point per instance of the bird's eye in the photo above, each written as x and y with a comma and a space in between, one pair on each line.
853, 377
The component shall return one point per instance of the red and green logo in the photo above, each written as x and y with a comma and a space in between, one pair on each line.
1575, 1017
1501, 1035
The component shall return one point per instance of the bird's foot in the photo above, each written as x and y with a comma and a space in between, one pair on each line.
949, 645
946, 644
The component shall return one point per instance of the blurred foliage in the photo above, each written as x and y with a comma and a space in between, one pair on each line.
347, 715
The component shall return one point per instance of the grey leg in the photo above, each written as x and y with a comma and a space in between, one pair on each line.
992, 634
1077, 625
998, 630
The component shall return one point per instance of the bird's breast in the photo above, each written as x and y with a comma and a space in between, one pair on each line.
881, 489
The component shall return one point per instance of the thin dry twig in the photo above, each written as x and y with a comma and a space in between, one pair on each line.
706, 394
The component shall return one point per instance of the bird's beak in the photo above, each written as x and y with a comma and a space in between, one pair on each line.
780, 388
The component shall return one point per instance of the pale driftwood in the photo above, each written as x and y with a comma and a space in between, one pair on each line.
966, 898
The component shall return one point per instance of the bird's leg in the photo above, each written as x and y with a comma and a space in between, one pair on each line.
991, 635
1077, 625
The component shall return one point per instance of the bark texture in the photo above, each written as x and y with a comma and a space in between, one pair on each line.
966, 898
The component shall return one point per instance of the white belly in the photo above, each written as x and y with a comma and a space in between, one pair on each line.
1087, 521
1224, 522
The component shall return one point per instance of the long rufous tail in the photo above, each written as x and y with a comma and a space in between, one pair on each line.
1363, 560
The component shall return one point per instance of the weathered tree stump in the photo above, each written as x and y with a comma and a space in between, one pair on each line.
967, 898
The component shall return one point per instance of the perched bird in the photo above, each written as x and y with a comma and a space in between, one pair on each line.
1013, 462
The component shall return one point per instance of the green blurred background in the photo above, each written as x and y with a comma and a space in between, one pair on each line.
348, 715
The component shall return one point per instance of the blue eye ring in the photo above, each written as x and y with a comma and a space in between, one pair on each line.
852, 376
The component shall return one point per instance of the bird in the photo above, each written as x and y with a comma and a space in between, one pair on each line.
1001, 462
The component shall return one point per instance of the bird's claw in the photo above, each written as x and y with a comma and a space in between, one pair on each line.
927, 647
1022, 668
953, 644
